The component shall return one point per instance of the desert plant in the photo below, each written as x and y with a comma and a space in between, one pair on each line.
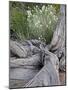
18, 21
33, 21
42, 22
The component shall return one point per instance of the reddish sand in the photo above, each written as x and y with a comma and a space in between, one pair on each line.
62, 76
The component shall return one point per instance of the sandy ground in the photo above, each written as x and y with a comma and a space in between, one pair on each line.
62, 76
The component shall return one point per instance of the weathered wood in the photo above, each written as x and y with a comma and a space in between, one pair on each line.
23, 50
15, 83
62, 64
59, 34
40, 69
19, 49
46, 76
21, 73
58, 41
53, 58
33, 60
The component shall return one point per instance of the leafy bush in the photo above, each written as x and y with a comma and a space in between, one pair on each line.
18, 21
42, 22
38, 22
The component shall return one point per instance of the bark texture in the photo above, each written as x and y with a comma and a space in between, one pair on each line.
33, 63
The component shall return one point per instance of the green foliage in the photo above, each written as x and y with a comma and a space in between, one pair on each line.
33, 21
57, 7
18, 21
42, 22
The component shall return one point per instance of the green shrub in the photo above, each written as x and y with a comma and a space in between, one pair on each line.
38, 22
18, 22
42, 22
